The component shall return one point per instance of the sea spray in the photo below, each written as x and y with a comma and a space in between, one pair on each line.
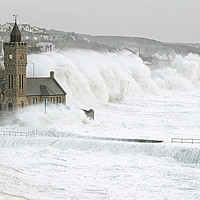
131, 100
53, 117
92, 78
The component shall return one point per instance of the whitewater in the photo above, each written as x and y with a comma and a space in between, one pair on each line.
131, 100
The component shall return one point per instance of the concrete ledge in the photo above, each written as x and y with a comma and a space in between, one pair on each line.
128, 140
120, 139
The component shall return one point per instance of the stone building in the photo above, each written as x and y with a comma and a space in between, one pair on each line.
17, 91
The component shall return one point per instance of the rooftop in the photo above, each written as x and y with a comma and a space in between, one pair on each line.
43, 87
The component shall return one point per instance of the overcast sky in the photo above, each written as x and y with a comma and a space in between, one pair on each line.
164, 20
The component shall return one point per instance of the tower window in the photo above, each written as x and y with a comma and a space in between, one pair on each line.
22, 81
10, 107
9, 81
12, 82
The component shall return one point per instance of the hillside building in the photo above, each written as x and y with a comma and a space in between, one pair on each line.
46, 46
18, 91
7, 27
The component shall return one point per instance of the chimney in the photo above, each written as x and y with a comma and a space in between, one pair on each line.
52, 74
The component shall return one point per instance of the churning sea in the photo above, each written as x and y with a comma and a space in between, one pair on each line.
131, 100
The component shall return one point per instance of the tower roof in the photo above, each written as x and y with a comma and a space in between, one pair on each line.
15, 35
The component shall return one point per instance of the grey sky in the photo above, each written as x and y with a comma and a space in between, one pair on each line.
164, 20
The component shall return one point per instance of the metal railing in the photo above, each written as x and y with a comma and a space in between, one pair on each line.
18, 133
185, 140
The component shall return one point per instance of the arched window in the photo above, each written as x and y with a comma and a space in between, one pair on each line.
22, 105
10, 107
0, 107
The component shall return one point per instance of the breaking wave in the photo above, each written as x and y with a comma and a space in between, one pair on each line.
90, 77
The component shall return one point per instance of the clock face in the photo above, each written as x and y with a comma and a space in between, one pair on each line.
21, 56
10, 56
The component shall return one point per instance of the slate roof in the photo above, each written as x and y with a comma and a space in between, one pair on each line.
43, 87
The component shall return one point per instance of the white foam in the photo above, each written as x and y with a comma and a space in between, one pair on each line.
131, 100
91, 77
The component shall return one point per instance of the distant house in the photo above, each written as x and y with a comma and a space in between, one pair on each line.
46, 46
38, 30
53, 37
7, 27
25, 28
33, 49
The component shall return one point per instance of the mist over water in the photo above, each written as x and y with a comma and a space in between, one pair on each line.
131, 100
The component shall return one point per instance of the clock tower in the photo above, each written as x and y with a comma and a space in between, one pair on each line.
15, 62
